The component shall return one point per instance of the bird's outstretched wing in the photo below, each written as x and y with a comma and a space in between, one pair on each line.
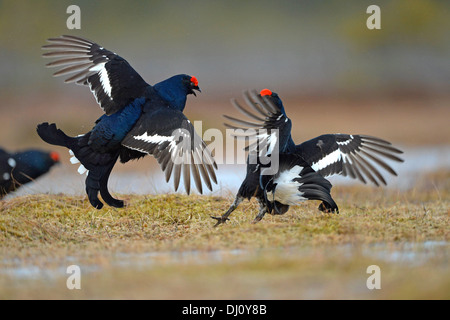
268, 124
355, 156
111, 78
170, 137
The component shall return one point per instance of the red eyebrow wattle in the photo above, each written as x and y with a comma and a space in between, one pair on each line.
265, 92
194, 81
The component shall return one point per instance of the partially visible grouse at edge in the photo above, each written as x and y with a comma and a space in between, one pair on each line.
139, 119
19, 168
302, 168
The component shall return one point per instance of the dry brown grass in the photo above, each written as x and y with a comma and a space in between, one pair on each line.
164, 247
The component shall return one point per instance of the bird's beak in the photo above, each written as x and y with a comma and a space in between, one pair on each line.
196, 88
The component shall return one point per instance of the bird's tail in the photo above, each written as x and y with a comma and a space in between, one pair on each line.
315, 187
78, 146
52, 135
295, 182
97, 165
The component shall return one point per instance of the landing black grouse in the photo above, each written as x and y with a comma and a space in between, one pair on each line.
300, 172
139, 119
19, 168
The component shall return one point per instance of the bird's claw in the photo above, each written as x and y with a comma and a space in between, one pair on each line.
257, 219
220, 220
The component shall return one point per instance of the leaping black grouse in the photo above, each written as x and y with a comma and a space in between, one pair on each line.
301, 169
139, 119
19, 168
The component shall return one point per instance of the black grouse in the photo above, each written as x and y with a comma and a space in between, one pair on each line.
139, 119
17, 169
299, 170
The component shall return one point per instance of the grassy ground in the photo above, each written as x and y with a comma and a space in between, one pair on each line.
164, 247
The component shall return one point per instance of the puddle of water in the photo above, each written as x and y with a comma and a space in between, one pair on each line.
65, 180
412, 254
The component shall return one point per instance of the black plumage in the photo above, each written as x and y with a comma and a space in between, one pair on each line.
139, 119
301, 171
19, 168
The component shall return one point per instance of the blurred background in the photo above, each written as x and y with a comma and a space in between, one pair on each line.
333, 73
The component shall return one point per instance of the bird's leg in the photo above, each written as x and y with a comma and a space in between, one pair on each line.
224, 217
262, 211
104, 190
92, 189
97, 181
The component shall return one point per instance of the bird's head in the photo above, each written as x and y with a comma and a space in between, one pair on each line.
176, 89
274, 98
33, 163
185, 83
44, 160
191, 84
54, 156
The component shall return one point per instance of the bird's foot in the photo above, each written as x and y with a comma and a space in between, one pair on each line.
220, 220
117, 204
97, 204
114, 202
325, 209
257, 219
261, 214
